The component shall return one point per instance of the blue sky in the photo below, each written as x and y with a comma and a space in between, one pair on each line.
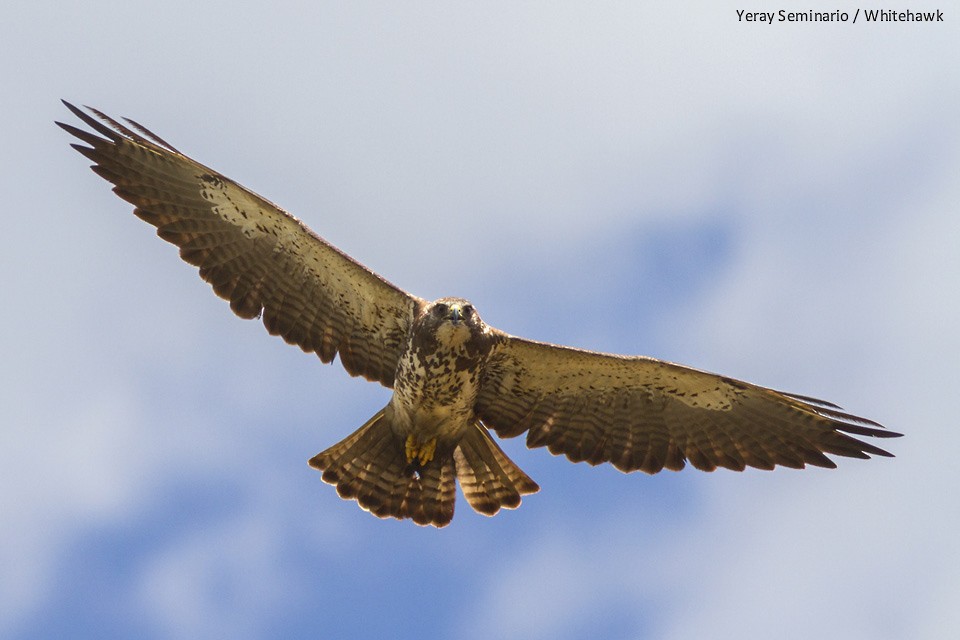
774, 202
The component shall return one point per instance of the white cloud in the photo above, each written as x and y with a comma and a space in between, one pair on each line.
223, 581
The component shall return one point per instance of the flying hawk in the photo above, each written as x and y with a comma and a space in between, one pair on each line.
453, 377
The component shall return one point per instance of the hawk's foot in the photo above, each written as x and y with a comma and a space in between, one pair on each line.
420, 453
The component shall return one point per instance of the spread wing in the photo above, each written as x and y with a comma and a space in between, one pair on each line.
643, 413
254, 254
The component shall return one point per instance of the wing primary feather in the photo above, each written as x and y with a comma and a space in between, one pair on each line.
126, 131
807, 399
86, 136
151, 135
93, 123
850, 423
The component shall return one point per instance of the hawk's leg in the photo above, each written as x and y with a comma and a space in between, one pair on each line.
419, 454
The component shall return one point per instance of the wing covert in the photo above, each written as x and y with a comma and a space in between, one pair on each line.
261, 259
642, 413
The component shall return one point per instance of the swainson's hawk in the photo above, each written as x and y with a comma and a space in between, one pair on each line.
453, 377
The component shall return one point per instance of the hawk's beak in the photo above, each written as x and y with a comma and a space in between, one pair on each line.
455, 314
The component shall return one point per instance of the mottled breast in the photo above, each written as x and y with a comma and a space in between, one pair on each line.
438, 374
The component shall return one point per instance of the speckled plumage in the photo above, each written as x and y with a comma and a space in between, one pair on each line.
453, 377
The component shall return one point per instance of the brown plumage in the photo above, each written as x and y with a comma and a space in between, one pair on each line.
452, 376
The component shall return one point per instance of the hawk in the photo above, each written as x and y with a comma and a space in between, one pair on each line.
454, 378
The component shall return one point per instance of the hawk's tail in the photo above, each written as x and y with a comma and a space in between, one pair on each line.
370, 466
489, 479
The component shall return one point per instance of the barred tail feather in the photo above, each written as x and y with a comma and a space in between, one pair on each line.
489, 479
370, 466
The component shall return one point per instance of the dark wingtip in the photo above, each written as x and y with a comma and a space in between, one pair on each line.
76, 110
151, 135
812, 401
90, 121
846, 422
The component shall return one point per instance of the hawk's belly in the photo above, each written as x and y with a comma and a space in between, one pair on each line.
432, 397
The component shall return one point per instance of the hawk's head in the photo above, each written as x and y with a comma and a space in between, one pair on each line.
451, 323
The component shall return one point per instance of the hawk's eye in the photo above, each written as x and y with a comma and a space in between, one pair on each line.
466, 310
440, 309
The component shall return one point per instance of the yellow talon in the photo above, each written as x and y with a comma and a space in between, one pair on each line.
411, 448
427, 451
422, 454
